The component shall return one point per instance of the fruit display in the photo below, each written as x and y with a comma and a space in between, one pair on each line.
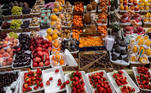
34, 22
71, 44
16, 10
31, 81
146, 18
98, 82
57, 59
15, 24
124, 5
5, 25
122, 82
144, 6
66, 19
65, 33
67, 7
7, 51
142, 76
102, 18
52, 34
140, 50
57, 7
55, 22
25, 24
7, 79
24, 41
78, 7
103, 30
90, 41
119, 52
127, 17
35, 10
76, 33
77, 82
2, 35
78, 20
137, 30
54, 80
61, 2
40, 51
103, 5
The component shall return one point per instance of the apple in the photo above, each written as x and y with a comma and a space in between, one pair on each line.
39, 49
35, 64
37, 59
40, 53
41, 64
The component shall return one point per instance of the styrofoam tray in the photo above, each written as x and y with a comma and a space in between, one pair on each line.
135, 74
53, 88
129, 80
119, 62
68, 88
22, 82
15, 83
104, 75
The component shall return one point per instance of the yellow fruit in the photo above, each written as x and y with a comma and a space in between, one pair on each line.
148, 52
52, 23
55, 31
146, 37
141, 41
148, 42
135, 49
62, 62
54, 36
49, 30
133, 58
60, 8
54, 18
49, 38
56, 4
138, 37
55, 10
145, 20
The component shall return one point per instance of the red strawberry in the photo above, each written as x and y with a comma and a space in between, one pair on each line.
57, 70
41, 85
48, 82
36, 87
51, 78
67, 82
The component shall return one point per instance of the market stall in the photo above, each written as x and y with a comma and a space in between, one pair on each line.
60, 47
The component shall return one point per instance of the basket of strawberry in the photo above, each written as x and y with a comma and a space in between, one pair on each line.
143, 78
77, 83
99, 82
122, 82
31, 81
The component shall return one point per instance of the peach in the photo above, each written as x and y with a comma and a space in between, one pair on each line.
6, 54
10, 60
8, 49
2, 51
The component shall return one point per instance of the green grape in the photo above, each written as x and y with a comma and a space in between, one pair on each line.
16, 10
15, 24
13, 35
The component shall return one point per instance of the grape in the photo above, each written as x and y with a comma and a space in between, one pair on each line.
16, 10
15, 24
5, 25
13, 35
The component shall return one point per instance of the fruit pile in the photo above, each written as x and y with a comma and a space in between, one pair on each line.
32, 80
102, 18
70, 44
52, 34
3, 35
40, 50
77, 83
65, 33
25, 24
143, 78
34, 22
103, 30
144, 5
57, 59
130, 30
67, 7
45, 18
124, 5
147, 17
126, 18
103, 5
5, 25
24, 41
61, 2
66, 19
16, 10
15, 24
13, 35
76, 33
7, 51
99, 82
78, 20
7, 78
57, 7
55, 22
89, 41
78, 7
121, 80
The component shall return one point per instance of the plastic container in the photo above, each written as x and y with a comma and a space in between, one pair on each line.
104, 75
129, 80
53, 88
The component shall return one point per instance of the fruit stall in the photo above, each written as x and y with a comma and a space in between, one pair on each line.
64, 47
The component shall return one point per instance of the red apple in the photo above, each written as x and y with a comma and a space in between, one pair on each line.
35, 64
40, 53
39, 49
41, 64
37, 59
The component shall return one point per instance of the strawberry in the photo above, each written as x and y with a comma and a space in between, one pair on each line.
48, 82
57, 70
67, 82
51, 78
36, 87
41, 85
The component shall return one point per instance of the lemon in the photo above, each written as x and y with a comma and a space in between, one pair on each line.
54, 36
